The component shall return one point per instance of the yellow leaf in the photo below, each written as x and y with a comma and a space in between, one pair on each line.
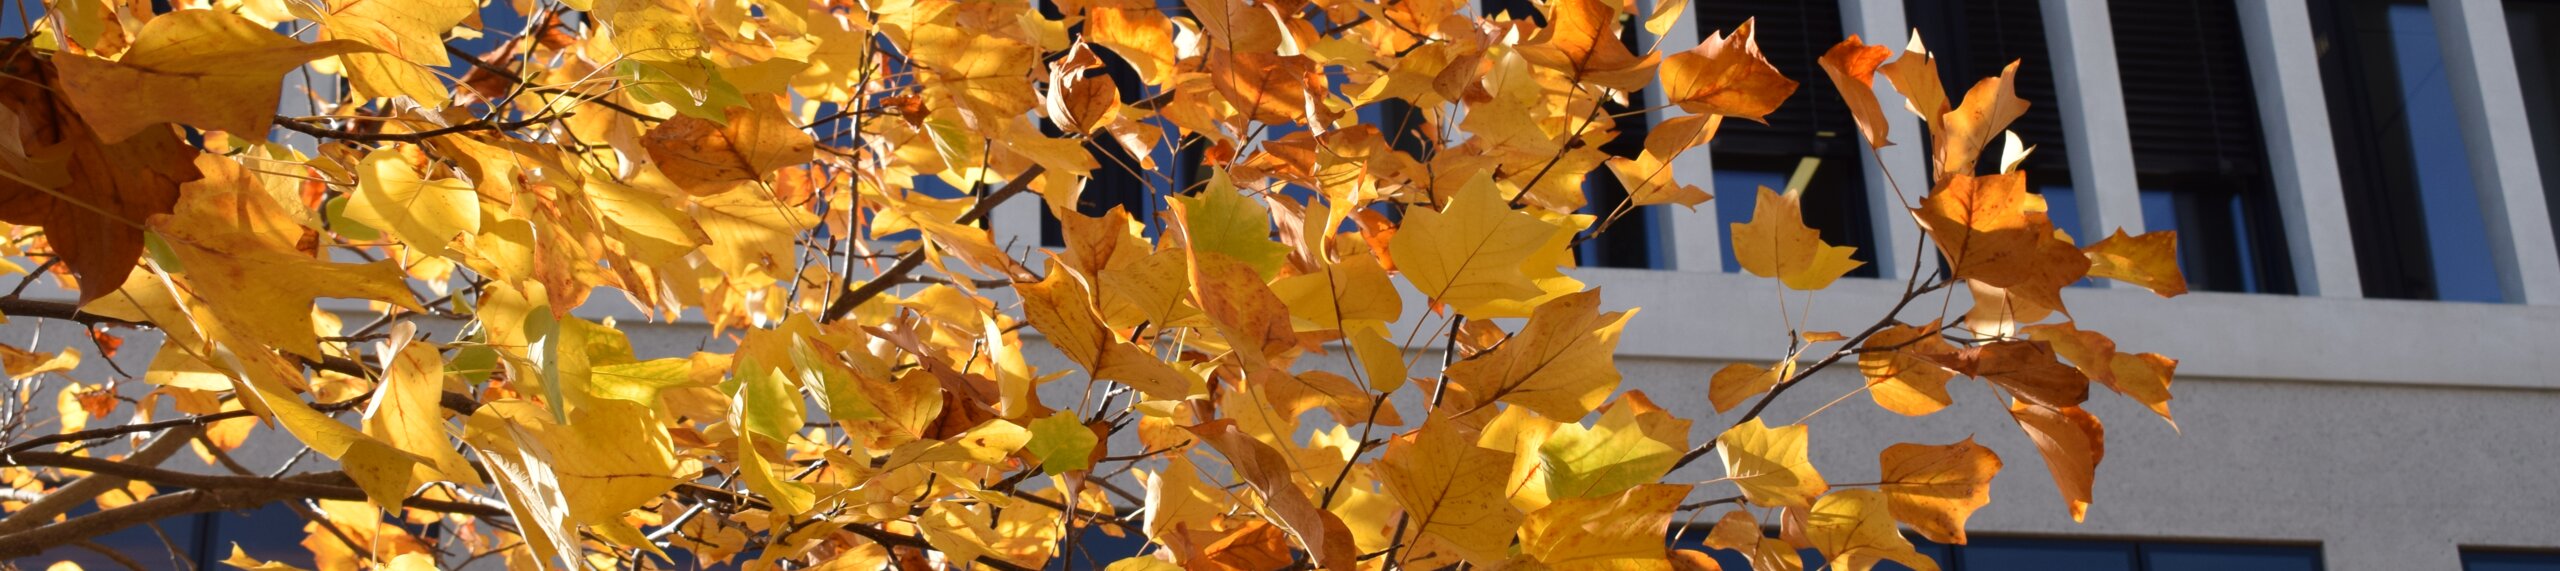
1726, 75
1649, 181
1607, 458
1469, 254
425, 214
1738, 381
1738, 531
1936, 488
406, 413
1770, 464
1452, 490
1853, 531
1561, 364
1220, 220
1343, 295
1138, 34
2149, 260
1620, 531
1915, 75
204, 68
1252, 319
1777, 244
1060, 308
1902, 373
413, 30
2072, 441
253, 280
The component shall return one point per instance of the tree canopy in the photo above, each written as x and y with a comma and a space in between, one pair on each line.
1313, 302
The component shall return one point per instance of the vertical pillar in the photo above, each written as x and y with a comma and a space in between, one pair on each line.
2083, 42
2481, 67
2286, 71
1897, 236
1689, 235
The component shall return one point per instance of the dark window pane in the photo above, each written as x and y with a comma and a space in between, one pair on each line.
2191, 112
2533, 26
2416, 215
2203, 557
2510, 561
1631, 242
2004, 554
1811, 129
1976, 39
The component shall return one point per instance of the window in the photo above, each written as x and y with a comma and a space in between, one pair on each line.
2022, 554
2415, 215
1811, 141
2198, 156
2495, 560
1631, 242
2531, 25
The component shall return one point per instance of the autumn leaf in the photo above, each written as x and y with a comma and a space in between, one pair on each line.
1649, 181
93, 197
2149, 260
1561, 364
198, 67
1777, 244
707, 157
1452, 489
1581, 39
1903, 371
1852, 67
1936, 488
1915, 75
1616, 531
1987, 111
1726, 75
2072, 442
1770, 464
1738, 381
1469, 254
1853, 530
1992, 231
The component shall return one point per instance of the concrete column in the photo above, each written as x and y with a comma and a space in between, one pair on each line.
1881, 22
2286, 70
2481, 67
2083, 42
1690, 236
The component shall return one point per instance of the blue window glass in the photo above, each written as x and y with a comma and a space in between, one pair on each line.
2199, 154
1811, 134
2411, 201
2533, 27
2207, 557
2485, 560
2025, 554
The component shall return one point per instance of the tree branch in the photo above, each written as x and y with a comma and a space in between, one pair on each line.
63, 310
897, 272
99, 481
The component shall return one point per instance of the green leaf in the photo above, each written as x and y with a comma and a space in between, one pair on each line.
1061, 443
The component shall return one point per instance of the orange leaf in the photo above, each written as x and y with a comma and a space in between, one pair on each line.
2149, 260
2028, 369
98, 195
1852, 67
2072, 441
1777, 244
1726, 75
1902, 374
1915, 75
1991, 230
1936, 488
1987, 110
707, 157
1581, 38
1268, 472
